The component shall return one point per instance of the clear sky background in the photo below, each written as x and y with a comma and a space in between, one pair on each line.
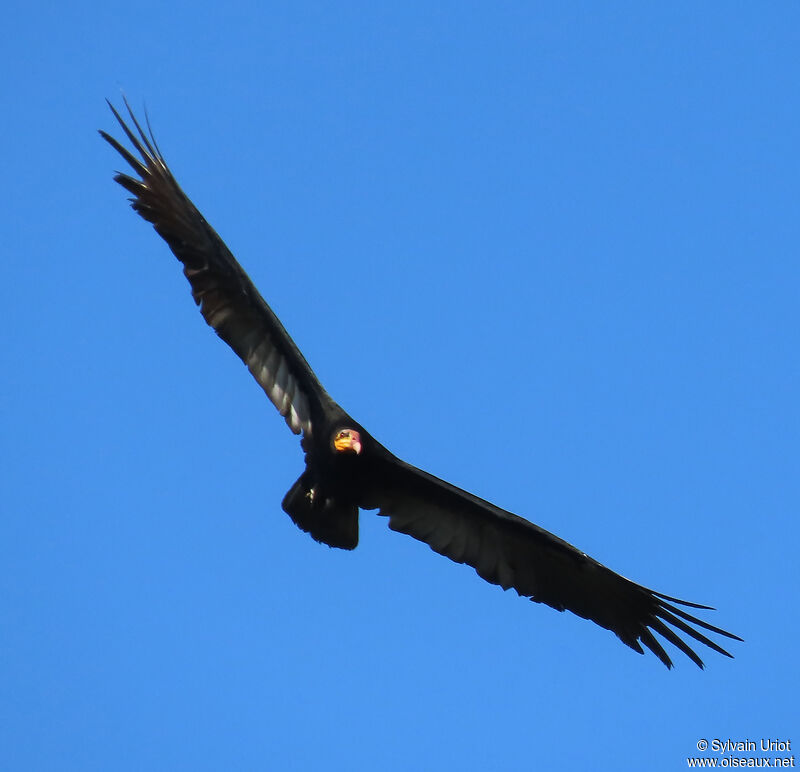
546, 251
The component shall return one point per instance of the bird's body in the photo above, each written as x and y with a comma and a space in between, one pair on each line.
348, 470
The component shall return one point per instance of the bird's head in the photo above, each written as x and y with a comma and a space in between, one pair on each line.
347, 441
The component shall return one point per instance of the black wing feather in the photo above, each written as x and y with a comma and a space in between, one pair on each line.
511, 552
228, 300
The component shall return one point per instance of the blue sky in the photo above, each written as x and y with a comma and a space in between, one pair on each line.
545, 251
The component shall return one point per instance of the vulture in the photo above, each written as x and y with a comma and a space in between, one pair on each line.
347, 469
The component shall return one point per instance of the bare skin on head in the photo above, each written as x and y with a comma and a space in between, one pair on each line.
347, 441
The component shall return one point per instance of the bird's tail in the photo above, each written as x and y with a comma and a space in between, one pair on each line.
326, 520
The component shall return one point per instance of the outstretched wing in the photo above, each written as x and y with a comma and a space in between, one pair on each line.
228, 300
509, 551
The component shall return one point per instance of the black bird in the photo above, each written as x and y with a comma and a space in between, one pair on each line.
347, 469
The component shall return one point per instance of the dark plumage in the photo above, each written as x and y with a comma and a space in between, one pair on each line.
347, 469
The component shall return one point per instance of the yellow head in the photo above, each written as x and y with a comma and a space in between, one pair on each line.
347, 441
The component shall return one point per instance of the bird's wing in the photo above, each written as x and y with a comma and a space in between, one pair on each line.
228, 300
509, 551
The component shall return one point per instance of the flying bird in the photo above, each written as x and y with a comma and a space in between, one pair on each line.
347, 469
